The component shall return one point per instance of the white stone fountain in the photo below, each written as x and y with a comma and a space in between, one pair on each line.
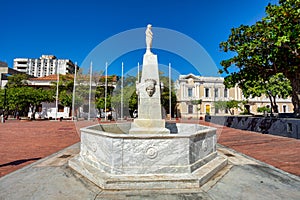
148, 153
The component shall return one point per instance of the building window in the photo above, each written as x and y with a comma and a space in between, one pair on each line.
225, 92
190, 109
216, 92
284, 108
60, 108
206, 92
190, 92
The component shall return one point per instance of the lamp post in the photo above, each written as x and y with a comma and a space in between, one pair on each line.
4, 105
4, 102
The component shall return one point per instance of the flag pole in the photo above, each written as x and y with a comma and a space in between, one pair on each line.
170, 92
138, 78
105, 91
57, 80
74, 85
122, 91
90, 91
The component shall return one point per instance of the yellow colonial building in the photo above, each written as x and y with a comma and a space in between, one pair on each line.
192, 88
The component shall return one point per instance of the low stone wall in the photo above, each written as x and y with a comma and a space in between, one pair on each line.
287, 127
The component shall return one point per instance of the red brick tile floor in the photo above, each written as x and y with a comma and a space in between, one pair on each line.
280, 152
24, 142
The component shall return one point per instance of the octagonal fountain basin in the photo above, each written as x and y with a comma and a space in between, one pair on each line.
114, 159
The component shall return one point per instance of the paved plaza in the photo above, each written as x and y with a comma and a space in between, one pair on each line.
24, 142
260, 166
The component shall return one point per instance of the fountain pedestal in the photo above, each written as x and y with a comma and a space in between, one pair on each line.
149, 106
114, 159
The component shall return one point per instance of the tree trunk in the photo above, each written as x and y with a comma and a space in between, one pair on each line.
275, 107
295, 82
272, 104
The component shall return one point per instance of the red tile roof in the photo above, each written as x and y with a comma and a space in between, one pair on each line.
52, 77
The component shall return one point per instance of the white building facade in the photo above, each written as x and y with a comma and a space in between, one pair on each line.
44, 66
191, 88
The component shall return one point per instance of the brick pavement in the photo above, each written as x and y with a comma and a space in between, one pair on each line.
280, 152
23, 142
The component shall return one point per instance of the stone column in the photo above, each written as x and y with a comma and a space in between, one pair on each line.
149, 112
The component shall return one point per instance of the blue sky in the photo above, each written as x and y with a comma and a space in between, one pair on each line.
73, 28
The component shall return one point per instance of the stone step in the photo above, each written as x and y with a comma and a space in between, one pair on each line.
147, 181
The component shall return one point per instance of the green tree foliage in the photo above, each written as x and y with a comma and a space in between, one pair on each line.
17, 80
130, 97
65, 88
268, 47
82, 89
165, 95
276, 86
263, 109
20, 96
220, 105
100, 92
228, 105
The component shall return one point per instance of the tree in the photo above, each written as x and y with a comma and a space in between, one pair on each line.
17, 80
220, 105
228, 105
165, 94
82, 91
65, 89
276, 86
20, 96
130, 98
264, 109
268, 47
100, 92
38, 95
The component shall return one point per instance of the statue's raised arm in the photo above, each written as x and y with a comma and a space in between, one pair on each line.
149, 37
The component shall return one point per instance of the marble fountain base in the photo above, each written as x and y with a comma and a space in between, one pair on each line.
112, 158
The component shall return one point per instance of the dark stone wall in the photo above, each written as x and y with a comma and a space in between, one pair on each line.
287, 127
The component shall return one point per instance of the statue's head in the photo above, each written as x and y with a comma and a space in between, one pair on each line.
149, 26
150, 87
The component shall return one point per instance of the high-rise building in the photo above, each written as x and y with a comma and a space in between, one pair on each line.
44, 66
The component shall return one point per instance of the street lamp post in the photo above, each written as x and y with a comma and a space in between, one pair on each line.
4, 105
4, 102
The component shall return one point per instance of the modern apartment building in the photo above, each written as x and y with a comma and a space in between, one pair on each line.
5, 71
191, 88
44, 66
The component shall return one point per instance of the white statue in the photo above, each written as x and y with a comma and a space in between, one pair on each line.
149, 37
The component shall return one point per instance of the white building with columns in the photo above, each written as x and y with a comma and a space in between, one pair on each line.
191, 88
44, 66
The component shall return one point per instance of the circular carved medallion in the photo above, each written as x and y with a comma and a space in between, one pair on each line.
151, 152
